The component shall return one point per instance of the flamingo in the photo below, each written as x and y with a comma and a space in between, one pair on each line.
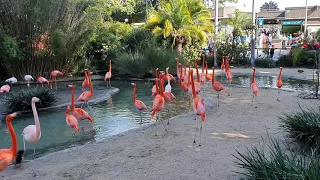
139, 105
32, 133
154, 87
168, 86
42, 80
279, 82
79, 113
158, 103
8, 155
71, 121
5, 89
217, 86
28, 78
198, 108
228, 71
254, 86
108, 74
85, 82
54, 75
203, 77
223, 66
185, 76
208, 76
87, 95
168, 96
11, 81
177, 68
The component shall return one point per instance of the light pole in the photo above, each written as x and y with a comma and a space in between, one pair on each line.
216, 20
306, 20
252, 35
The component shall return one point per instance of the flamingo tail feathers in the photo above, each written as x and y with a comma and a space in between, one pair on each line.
203, 117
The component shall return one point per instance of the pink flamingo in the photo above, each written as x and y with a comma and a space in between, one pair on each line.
279, 82
54, 75
85, 82
158, 103
79, 113
108, 74
8, 155
72, 121
198, 108
168, 96
217, 86
32, 133
254, 86
87, 95
42, 80
228, 70
154, 87
139, 105
5, 89
223, 66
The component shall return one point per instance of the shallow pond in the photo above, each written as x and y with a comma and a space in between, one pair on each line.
113, 117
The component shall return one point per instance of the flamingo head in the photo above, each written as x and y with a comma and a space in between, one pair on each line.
280, 68
71, 86
177, 59
167, 69
180, 65
203, 55
85, 70
133, 84
35, 99
68, 109
10, 117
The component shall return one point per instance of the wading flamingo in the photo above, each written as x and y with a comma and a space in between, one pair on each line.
168, 86
72, 121
107, 77
139, 105
8, 155
87, 95
79, 113
158, 104
198, 108
32, 133
42, 80
254, 86
154, 89
279, 83
54, 75
168, 96
5, 89
85, 82
223, 66
217, 86
28, 78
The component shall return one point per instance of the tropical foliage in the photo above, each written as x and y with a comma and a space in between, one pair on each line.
183, 21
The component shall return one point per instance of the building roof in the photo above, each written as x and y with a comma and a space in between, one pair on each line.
271, 14
300, 12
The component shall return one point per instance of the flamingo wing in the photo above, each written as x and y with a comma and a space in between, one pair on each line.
199, 108
140, 105
84, 97
72, 122
81, 114
107, 76
255, 89
30, 134
6, 157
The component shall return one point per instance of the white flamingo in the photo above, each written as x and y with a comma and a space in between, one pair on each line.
28, 78
11, 80
168, 86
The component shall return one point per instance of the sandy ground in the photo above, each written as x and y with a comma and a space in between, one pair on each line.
139, 154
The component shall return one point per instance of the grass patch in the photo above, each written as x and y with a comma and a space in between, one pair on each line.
21, 100
278, 164
304, 126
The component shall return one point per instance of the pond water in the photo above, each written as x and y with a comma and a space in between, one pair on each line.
113, 118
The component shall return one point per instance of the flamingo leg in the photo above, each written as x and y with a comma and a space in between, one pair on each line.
200, 133
42, 84
55, 83
278, 94
110, 82
34, 151
156, 124
140, 117
82, 105
168, 116
218, 99
195, 134
88, 106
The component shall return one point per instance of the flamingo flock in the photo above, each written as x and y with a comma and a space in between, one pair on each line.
162, 98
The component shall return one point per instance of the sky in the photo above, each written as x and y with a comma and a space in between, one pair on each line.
246, 5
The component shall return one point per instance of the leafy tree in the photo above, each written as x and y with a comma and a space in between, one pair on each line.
184, 21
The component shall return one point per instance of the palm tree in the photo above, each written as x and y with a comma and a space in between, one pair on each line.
184, 21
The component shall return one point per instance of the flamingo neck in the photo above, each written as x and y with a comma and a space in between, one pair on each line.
192, 84
36, 117
180, 79
157, 88
161, 86
91, 86
134, 94
253, 77
212, 76
280, 75
223, 60
110, 67
168, 77
72, 99
206, 68
202, 67
227, 64
14, 146
157, 77
52, 80
198, 77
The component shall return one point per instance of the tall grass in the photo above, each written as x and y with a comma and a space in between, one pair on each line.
278, 164
304, 126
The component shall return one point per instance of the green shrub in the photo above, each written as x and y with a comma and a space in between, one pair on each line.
278, 164
138, 38
21, 100
265, 63
304, 126
302, 57
285, 61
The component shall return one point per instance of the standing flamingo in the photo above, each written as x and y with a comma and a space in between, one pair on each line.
5, 89
168, 96
54, 75
254, 86
8, 155
198, 108
79, 113
279, 83
168, 86
108, 74
85, 82
87, 95
32, 133
154, 89
158, 104
223, 66
228, 71
42, 80
72, 121
139, 105
28, 78
217, 86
